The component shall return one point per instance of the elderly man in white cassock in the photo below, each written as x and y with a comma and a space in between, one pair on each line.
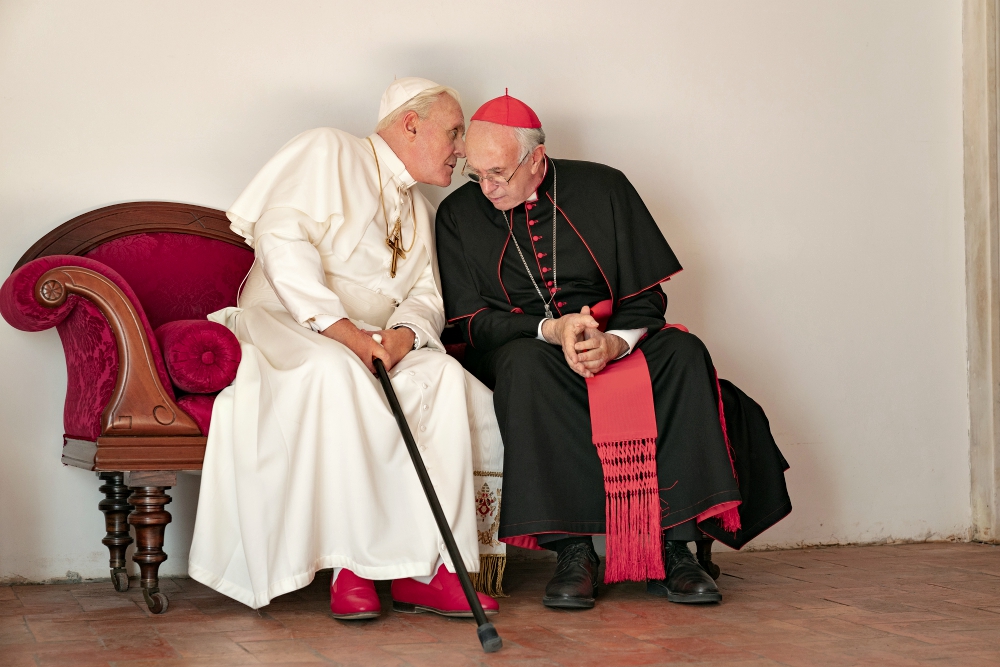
305, 467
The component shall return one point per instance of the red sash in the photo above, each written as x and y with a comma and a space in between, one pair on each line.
623, 422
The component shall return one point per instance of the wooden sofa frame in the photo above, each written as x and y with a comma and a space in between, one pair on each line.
145, 437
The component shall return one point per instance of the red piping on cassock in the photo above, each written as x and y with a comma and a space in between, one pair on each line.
586, 245
456, 319
729, 514
644, 289
469, 325
500, 264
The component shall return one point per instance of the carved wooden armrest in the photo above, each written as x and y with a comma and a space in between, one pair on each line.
141, 417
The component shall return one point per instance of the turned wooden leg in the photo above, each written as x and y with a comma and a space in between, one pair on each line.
705, 557
150, 521
116, 510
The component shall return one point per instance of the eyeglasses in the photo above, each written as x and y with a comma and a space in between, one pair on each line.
495, 179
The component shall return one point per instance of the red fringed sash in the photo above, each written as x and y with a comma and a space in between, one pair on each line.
623, 421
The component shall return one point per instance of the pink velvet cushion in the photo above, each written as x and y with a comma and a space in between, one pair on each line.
199, 408
201, 356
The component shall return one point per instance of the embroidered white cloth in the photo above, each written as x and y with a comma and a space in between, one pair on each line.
305, 468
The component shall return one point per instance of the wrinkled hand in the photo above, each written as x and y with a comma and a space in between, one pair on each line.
397, 342
567, 331
359, 342
598, 349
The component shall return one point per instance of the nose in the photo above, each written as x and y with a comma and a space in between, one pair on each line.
460, 146
487, 186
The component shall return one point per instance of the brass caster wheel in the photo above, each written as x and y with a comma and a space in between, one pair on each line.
119, 577
155, 600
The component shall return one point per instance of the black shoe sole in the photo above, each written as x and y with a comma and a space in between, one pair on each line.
407, 608
696, 598
661, 591
569, 602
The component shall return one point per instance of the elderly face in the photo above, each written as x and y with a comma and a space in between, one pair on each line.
437, 143
494, 155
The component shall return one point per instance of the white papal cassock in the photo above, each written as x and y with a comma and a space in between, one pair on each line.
305, 467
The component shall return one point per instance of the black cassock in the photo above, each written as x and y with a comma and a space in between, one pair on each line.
608, 247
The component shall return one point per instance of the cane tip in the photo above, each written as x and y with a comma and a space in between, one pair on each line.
377, 338
489, 638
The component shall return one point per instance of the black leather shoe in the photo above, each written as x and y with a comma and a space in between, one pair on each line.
705, 558
574, 585
686, 581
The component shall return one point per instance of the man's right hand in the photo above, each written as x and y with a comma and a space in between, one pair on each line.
344, 332
566, 331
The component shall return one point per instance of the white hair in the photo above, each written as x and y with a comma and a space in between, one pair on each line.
421, 104
529, 138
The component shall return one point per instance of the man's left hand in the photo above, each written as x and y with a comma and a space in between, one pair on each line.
598, 349
397, 342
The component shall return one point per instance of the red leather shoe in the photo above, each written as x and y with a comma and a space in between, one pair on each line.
442, 596
353, 598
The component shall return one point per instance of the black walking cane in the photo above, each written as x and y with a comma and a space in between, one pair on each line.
488, 636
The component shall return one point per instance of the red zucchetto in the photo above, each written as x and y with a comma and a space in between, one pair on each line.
509, 111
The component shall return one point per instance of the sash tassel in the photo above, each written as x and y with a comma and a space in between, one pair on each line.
632, 510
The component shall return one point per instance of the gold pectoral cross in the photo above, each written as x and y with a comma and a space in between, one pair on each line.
395, 243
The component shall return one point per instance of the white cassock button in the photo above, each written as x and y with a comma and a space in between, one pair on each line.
412, 373
427, 407
378, 291
424, 385
423, 428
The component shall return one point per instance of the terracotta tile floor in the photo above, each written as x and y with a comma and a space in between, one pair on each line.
936, 604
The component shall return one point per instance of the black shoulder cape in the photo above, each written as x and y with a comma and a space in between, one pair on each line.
595, 202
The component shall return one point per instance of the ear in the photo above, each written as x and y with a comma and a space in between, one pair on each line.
537, 158
410, 122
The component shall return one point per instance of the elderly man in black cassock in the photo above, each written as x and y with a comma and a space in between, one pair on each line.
614, 422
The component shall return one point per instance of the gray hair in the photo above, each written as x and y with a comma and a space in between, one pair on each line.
529, 138
421, 104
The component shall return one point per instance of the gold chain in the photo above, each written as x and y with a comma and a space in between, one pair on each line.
413, 210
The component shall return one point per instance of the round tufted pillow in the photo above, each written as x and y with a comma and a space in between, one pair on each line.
201, 356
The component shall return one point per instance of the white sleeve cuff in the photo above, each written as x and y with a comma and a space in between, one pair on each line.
539, 335
630, 336
321, 323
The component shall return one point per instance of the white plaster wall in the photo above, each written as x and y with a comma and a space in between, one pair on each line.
803, 158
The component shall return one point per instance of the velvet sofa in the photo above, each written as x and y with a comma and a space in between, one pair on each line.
128, 287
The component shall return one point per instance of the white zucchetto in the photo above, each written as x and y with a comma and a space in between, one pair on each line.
400, 92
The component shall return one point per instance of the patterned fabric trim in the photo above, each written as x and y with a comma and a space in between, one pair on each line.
492, 552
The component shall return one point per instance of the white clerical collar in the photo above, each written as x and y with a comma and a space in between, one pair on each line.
391, 162
545, 170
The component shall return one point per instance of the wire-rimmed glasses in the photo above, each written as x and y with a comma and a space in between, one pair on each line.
495, 179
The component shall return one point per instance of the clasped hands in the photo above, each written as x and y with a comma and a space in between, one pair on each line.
395, 343
586, 348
